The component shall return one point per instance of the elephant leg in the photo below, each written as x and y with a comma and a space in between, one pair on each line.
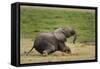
64, 48
61, 46
46, 52
49, 50
67, 50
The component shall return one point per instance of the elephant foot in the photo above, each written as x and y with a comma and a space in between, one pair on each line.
45, 53
68, 51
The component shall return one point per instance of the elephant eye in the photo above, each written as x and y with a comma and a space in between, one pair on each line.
73, 32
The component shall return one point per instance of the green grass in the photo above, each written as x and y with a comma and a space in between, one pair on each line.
35, 20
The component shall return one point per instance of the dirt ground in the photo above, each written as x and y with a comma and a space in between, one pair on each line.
80, 51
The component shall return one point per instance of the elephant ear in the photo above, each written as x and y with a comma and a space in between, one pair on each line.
59, 35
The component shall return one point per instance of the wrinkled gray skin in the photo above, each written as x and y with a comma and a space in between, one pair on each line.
46, 43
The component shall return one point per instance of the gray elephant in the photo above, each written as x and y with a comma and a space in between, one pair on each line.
49, 42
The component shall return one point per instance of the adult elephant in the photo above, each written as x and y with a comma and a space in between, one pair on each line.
49, 42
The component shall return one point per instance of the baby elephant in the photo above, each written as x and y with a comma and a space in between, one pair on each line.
49, 42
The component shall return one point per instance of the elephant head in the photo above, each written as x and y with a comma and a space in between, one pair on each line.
63, 33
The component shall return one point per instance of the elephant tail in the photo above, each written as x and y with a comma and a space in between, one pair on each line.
30, 50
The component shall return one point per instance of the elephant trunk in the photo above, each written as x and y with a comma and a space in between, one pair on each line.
75, 37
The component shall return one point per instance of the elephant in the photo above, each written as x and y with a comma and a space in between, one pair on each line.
49, 42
